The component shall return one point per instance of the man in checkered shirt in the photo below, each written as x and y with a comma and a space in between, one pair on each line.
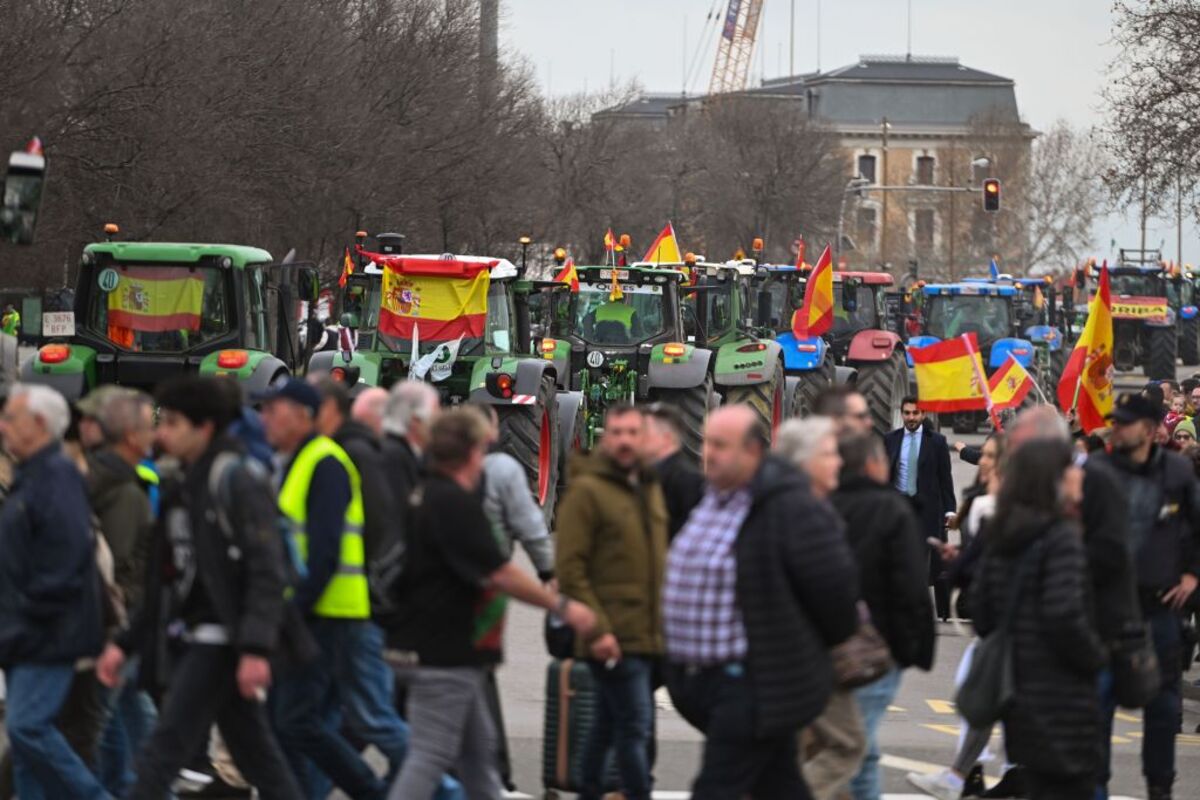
760, 584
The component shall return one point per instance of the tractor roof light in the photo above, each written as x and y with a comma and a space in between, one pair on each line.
54, 353
232, 359
549, 345
360, 235
757, 245
674, 349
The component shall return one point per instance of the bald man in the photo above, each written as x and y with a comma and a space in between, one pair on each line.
369, 407
759, 579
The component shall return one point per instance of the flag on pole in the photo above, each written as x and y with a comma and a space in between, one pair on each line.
815, 316
347, 269
1087, 381
949, 375
665, 248
610, 247
994, 268
1010, 385
800, 248
569, 275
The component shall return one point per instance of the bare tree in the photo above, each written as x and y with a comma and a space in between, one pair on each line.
1065, 196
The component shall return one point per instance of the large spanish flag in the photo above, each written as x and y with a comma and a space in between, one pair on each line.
440, 300
816, 315
1010, 385
949, 375
156, 299
665, 248
1087, 380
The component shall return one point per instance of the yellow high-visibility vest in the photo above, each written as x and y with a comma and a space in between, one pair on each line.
346, 596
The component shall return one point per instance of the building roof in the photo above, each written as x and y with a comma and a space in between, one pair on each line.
649, 105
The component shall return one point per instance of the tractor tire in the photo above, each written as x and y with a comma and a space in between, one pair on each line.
569, 449
810, 384
530, 435
1189, 341
884, 385
693, 406
1160, 354
765, 398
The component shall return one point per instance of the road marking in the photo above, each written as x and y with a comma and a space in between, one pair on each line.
1121, 715
940, 706
952, 730
897, 709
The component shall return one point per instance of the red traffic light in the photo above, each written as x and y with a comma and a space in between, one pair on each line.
991, 195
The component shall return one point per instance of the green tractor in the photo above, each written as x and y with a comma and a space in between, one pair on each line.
412, 317
626, 348
147, 311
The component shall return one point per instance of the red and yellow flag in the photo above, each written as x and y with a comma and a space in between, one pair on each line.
569, 275
1087, 380
156, 299
1010, 385
347, 268
439, 300
949, 375
816, 315
665, 248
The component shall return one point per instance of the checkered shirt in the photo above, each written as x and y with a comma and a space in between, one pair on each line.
701, 619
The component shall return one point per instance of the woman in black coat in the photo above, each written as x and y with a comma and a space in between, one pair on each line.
1053, 727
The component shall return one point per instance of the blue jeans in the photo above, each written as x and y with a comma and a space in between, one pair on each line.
873, 700
625, 722
306, 705
1162, 717
132, 717
44, 765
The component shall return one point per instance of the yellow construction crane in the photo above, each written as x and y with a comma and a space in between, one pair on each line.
735, 48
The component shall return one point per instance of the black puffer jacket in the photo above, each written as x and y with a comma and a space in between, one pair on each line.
892, 567
379, 509
1054, 726
797, 586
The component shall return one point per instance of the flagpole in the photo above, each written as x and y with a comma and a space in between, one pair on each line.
987, 392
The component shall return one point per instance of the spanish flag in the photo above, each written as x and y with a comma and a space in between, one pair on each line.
1087, 380
439, 300
950, 375
610, 247
816, 315
156, 299
665, 248
347, 269
569, 275
1010, 385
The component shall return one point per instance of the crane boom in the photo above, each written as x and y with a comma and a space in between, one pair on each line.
735, 48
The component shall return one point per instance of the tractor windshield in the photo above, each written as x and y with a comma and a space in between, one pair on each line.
949, 316
639, 315
160, 308
863, 317
1136, 285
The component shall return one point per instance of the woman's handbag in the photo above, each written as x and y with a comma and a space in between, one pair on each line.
1135, 668
989, 688
864, 657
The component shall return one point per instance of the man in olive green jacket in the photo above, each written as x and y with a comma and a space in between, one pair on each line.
611, 555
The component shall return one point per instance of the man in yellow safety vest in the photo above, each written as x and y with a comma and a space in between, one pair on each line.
320, 500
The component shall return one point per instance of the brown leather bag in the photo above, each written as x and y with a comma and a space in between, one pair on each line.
864, 657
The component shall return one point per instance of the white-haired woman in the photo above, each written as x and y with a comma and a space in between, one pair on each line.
811, 446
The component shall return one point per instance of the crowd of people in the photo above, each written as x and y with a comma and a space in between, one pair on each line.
271, 584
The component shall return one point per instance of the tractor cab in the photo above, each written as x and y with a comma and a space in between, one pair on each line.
985, 309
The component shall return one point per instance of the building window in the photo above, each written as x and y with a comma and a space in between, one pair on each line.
925, 170
866, 167
923, 227
866, 227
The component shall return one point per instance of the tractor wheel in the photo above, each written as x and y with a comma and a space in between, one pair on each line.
693, 405
1160, 354
568, 449
810, 384
530, 435
884, 385
765, 398
1189, 341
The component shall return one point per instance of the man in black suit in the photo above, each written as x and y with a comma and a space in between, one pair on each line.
920, 461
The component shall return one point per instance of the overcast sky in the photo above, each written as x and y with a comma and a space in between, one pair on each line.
1055, 50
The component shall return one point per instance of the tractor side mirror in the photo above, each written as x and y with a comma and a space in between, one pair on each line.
309, 281
850, 295
22, 196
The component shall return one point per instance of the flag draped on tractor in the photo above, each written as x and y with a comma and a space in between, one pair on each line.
438, 300
665, 248
1087, 380
157, 299
950, 375
815, 316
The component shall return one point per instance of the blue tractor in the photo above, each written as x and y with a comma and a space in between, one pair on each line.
991, 312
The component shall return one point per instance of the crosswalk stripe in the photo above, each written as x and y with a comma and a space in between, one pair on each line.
940, 706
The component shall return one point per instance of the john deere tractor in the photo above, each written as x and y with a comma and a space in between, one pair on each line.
624, 341
145, 312
476, 348
859, 350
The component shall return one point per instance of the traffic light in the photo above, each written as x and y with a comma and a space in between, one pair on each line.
991, 195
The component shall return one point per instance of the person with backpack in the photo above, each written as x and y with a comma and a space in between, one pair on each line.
213, 603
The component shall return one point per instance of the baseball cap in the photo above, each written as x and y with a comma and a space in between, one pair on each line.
1131, 407
294, 389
